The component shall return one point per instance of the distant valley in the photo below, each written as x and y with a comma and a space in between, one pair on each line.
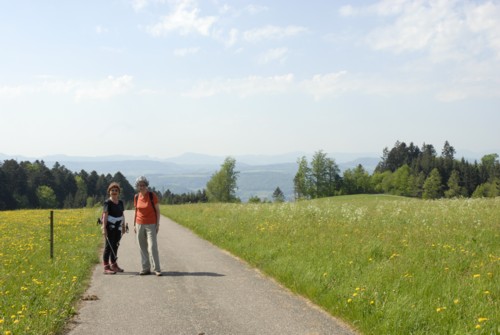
259, 175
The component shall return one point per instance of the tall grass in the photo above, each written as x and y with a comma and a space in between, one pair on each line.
38, 294
386, 265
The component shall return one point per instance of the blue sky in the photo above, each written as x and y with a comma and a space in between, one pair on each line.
161, 78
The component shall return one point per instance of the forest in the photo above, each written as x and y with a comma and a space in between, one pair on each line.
405, 170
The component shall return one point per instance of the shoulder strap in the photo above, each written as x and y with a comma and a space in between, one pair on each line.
153, 203
135, 206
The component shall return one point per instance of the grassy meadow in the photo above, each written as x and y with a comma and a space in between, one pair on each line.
37, 293
384, 264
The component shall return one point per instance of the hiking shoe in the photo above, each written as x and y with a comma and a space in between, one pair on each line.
158, 273
108, 271
144, 272
116, 268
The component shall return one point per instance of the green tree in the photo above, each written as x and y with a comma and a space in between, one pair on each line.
46, 197
356, 181
454, 189
401, 181
301, 185
223, 184
324, 176
278, 195
254, 200
432, 185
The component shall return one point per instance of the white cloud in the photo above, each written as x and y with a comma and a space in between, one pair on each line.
323, 85
256, 9
185, 19
273, 55
484, 19
444, 30
104, 89
101, 30
242, 87
272, 32
80, 90
347, 10
139, 5
186, 51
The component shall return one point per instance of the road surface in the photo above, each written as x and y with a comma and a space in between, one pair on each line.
203, 290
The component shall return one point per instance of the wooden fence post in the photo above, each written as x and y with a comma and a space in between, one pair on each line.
51, 234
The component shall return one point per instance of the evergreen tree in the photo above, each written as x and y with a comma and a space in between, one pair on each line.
454, 189
278, 195
432, 185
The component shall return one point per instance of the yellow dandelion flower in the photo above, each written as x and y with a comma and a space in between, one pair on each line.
372, 302
482, 320
1, 321
440, 309
16, 321
349, 300
478, 326
486, 292
477, 275
456, 301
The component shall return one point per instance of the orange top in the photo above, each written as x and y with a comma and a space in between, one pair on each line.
144, 209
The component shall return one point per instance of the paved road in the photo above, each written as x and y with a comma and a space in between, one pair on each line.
203, 290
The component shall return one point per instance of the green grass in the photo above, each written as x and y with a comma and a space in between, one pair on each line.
386, 265
37, 293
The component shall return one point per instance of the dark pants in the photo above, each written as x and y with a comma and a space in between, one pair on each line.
111, 246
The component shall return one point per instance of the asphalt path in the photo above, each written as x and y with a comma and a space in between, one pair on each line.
202, 290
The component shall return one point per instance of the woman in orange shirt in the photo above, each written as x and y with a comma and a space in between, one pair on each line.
146, 226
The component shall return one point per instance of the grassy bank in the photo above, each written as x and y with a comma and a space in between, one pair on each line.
38, 294
386, 265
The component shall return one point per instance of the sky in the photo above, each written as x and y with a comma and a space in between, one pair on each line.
160, 78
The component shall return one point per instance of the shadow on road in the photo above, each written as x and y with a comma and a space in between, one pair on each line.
195, 274
174, 274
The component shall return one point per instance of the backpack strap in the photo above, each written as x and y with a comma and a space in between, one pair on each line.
153, 204
135, 206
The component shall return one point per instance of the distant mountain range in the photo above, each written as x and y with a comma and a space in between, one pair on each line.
259, 175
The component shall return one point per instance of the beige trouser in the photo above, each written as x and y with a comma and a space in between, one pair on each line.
146, 236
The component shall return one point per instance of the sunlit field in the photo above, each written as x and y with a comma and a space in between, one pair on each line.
37, 293
385, 265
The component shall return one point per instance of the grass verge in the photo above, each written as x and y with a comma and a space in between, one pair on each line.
37, 293
386, 265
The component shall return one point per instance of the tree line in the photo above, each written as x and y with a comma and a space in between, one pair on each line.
405, 170
28, 185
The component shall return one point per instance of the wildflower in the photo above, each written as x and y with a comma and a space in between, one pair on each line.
372, 302
478, 326
476, 276
456, 301
349, 300
440, 309
482, 320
